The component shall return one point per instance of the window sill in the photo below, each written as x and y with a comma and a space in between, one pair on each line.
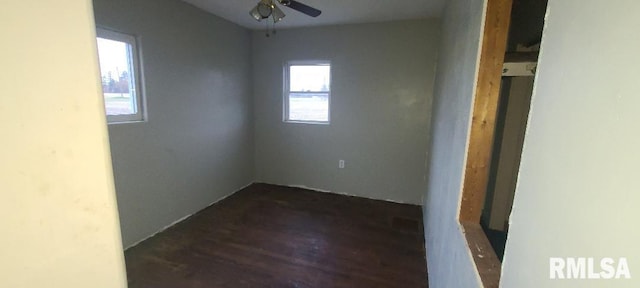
113, 122
306, 122
485, 258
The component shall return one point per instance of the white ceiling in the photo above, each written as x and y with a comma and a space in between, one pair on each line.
333, 11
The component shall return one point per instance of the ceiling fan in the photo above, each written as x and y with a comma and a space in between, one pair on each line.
268, 8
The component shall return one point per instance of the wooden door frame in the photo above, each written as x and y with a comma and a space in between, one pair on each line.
481, 136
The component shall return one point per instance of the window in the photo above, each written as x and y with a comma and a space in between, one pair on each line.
307, 92
121, 77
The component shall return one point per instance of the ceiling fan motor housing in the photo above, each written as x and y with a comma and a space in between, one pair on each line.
267, 8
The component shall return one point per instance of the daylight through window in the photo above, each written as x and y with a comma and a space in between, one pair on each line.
120, 76
307, 92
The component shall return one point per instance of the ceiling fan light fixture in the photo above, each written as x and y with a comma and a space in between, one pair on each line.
277, 14
268, 8
255, 14
265, 9
262, 11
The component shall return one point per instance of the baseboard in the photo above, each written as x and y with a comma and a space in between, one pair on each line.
339, 193
187, 216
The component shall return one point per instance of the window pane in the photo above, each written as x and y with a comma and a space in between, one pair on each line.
117, 77
310, 78
309, 107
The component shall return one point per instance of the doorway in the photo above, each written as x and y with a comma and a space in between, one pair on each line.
516, 88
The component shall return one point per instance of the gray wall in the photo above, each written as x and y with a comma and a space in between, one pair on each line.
197, 145
499, 197
577, 191
382, 81
450, 263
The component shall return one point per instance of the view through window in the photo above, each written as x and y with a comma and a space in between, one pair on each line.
307, 92
120, 77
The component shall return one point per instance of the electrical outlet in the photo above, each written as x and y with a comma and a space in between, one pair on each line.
341, 164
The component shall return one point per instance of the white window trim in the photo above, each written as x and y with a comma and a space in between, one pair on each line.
285, 99
140, 102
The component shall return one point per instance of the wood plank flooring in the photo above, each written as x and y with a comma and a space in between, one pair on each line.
274, 236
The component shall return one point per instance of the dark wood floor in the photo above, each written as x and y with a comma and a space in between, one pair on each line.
273, 236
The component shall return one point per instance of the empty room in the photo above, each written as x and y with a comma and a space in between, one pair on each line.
318, 143
246, 127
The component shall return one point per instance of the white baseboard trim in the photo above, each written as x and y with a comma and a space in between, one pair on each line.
340, 193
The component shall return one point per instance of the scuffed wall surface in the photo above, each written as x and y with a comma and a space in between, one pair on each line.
57, 200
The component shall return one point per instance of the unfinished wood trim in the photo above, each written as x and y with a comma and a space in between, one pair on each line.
494, 44
485, 258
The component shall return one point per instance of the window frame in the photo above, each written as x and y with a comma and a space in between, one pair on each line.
287, 91
136, 67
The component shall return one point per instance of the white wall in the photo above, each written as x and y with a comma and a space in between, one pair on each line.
58, 207
382, 80
449, 262
577, 192
197, 145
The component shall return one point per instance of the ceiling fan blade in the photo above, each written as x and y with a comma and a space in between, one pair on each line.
295, 5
